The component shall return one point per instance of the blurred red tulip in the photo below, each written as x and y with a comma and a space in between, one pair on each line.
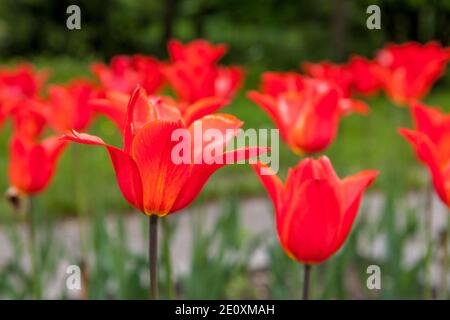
21, 81
114, 106
307, 111
32, 164
126, 72
431, 141
277, 83
338, 74
68, 106
146, 173
18, 85
365, 75
198, 51
29, 118
193, 73
314, 209
410, 69
192, 82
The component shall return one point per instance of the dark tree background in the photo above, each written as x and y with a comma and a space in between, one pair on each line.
257, 31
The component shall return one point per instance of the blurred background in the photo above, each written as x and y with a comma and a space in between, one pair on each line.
219, 251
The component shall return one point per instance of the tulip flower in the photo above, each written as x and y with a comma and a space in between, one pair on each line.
365, 75
126, 72
338, 74
32, 164
410, 69
193, 74
29, 118
194, 82
307, 111
69, 107
21, 81
277, 83
148, 176
196, 52
314, 209
114, 106
17, 85
431, 141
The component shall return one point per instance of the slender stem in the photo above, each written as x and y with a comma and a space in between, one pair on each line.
153, 255
167, 259
32, 241
306, 280
428, 286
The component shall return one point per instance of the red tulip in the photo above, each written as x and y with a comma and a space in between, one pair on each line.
410, 69
194, 82
338, 74
194, 75
126, 72
196, 52
314, 209
278, 83
21, 81
32, 164
431, 141
114, 106
147, 176
307, 112
17, 85
68, 106
29, 118
365, 75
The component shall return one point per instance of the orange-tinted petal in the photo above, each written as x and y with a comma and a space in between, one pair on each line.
226, 126
202, 108
162, 179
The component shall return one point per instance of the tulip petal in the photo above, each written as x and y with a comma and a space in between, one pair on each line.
226, 128
430, 121
139, 113
127, 174
269, 104
28, 169
353, 188
114, 106
311, 220
33, 165
165, 109
271, 182
311, 169
428, 154
317, 127
162, 178
202, 108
